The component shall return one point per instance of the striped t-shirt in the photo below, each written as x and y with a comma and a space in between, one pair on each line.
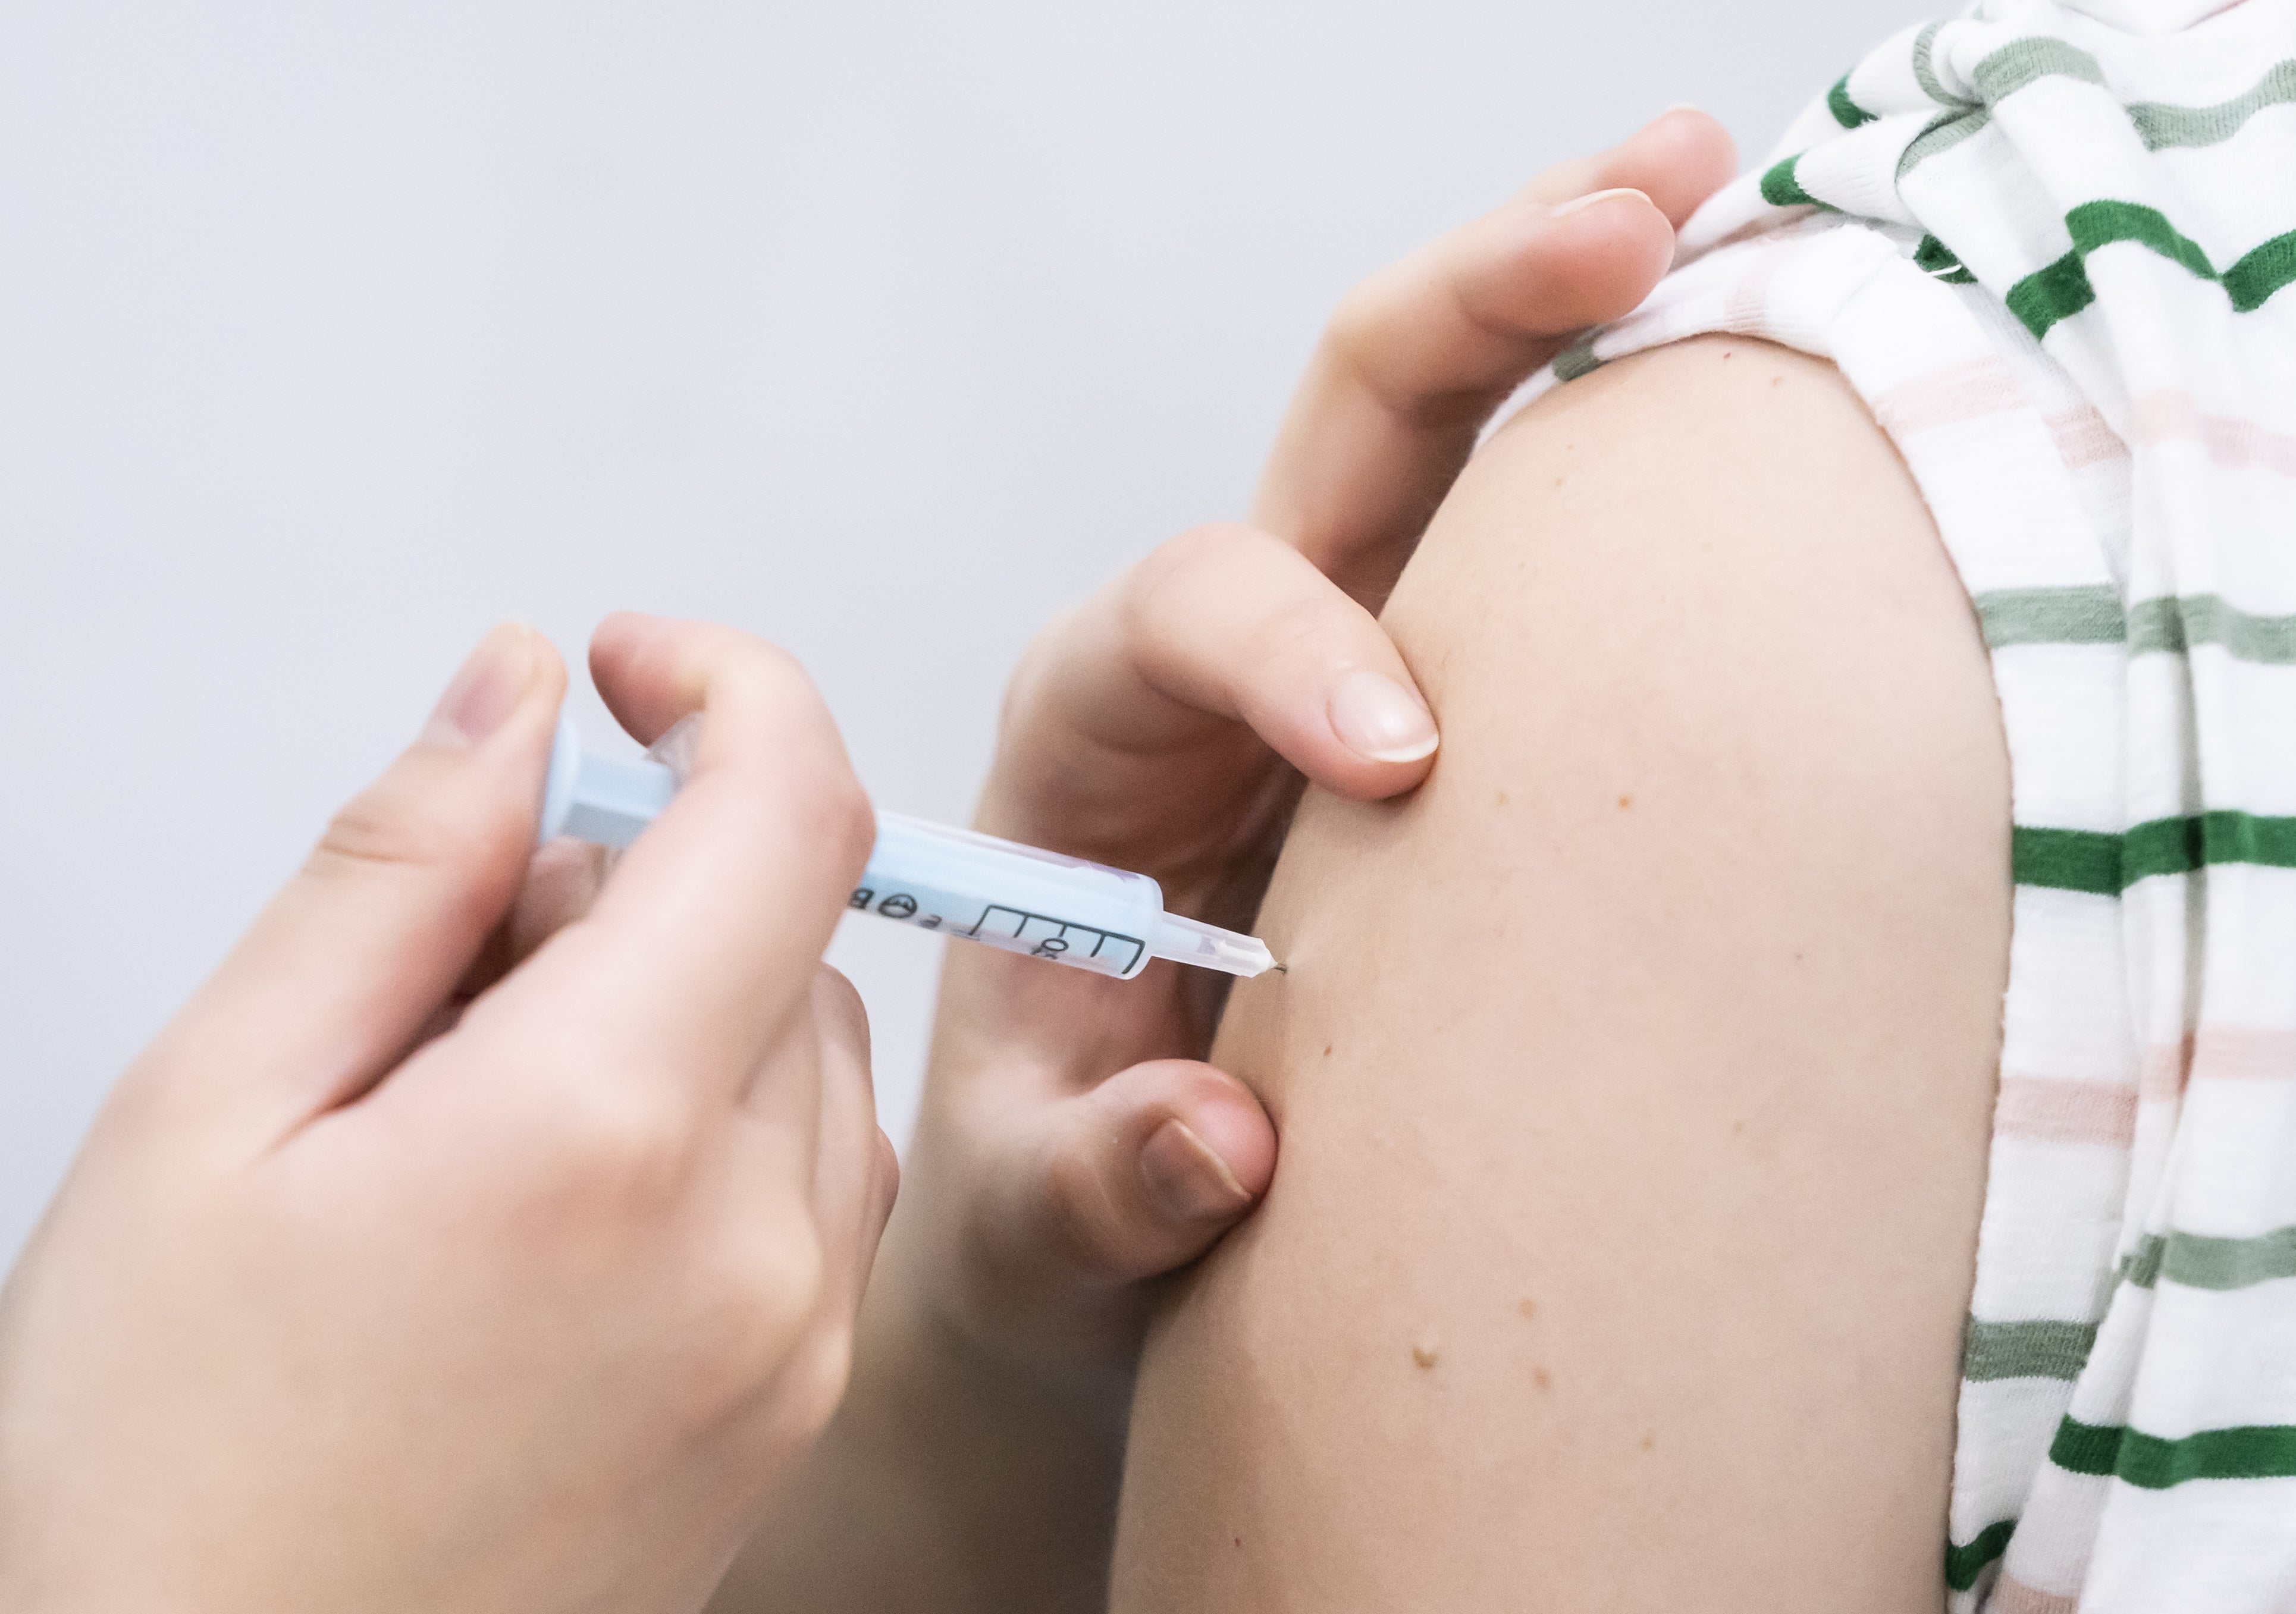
2051, 245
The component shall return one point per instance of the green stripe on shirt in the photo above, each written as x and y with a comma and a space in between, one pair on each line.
2081, 614
1925, 74
2175, 626
1577, 359
1965, 1564
2050, 294
2266, 1451
1933, 257
2163, 123
2020, 62
2061, 289
2045, 1349
1782, 189
2261, 272
2091, 614
2105, 865
2065, 860
1845, 113
2201, 1261
2094, 225
2178, 846
1946, 131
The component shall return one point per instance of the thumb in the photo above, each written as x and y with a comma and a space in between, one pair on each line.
340, 973
1146, 1171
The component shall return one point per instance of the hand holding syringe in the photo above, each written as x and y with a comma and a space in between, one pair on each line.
955, 881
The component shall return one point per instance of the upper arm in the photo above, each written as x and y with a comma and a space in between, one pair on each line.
1634, 1075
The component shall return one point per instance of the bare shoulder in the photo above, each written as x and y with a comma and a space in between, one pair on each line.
1634, 1075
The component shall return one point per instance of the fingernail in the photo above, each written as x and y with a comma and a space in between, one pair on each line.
1682, 106
486, 690
1378, 718
1186, 1178
1579, 204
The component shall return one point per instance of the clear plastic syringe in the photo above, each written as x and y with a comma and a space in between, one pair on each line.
955, 881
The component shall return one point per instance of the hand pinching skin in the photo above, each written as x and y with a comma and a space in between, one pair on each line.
1074, 1146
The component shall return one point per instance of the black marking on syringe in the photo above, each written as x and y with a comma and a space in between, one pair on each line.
1022, 919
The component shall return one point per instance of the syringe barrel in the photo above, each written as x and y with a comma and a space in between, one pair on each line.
1013, 897
1009, 895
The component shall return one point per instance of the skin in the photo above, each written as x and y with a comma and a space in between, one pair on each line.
1634, 1074
1075, 1145
404, 1273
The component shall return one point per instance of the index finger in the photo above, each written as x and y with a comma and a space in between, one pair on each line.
705, 941
1420, 356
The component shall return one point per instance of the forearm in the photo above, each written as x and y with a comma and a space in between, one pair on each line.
953, 1478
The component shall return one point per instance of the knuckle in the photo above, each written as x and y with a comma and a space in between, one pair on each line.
1378, 338
1206, 549
842, 1018
1314, 626
409, 822
1166, 586
833, 809
1296, 641
378, 828
1355, 315
762, 1294
790, 1283
775, 1273
888, 1177
757, 674
778, 678
620, 1137
820, 1372
1359, 329
852, 818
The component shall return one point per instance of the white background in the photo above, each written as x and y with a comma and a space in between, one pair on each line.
331, 333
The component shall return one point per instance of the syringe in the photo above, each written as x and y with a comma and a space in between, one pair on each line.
955, 881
